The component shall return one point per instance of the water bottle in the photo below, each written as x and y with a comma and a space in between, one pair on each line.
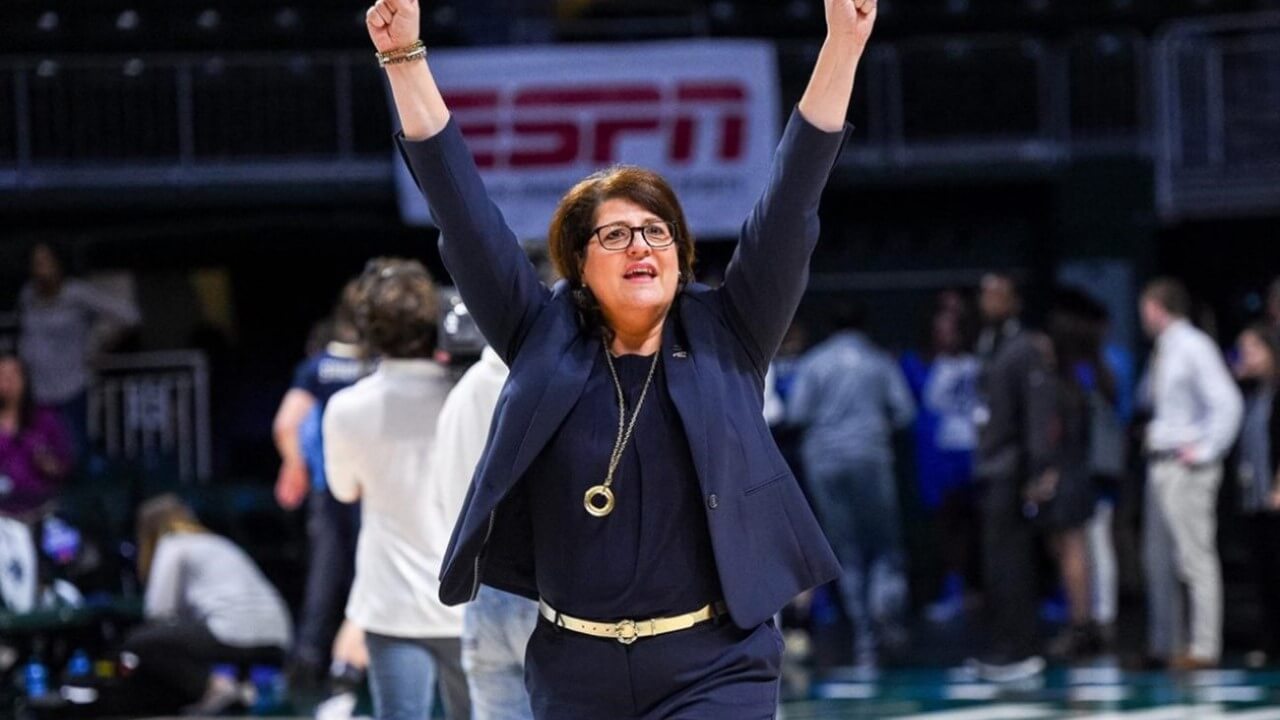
37, 679
268, 684
79, 666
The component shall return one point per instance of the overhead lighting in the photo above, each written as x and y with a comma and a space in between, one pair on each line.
128, 21
209, 19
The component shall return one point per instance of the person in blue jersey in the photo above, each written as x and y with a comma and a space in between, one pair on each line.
630, 483
944, 382
332, 527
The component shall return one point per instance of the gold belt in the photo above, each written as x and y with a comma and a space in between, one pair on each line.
627, 631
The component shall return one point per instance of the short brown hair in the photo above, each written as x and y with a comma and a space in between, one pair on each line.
1169, 294
574, 219
400, 311
345, 326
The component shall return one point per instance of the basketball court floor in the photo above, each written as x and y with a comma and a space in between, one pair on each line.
1092, 693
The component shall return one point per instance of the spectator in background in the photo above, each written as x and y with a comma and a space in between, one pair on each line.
1258, 471
1063, 498
35, 452
206, 603
57, 316
1016, 405
498, 624
380, 450
1196, 411
332, 527
945, 385
850, 396
1106, 376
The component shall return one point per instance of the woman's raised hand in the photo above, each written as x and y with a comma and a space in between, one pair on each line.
852, 19
393, 24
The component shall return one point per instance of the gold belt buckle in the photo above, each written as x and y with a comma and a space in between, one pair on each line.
626, 631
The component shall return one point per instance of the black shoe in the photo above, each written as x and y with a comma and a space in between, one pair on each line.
1077, 642
344, 678
1144, 663
304, 676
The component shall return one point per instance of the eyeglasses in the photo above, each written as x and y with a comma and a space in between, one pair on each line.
618, 236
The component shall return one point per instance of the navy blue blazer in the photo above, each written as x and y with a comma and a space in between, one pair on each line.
767, 544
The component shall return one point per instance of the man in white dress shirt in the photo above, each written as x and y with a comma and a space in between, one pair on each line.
1196, 413
379, 437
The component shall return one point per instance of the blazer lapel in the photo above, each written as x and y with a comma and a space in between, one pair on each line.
681, 364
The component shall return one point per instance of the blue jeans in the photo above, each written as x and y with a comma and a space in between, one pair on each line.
856, 502
403, 674
495, 633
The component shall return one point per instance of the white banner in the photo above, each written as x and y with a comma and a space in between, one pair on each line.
704, 114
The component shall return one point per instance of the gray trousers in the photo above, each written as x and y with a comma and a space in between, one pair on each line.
856, 502
1180, 550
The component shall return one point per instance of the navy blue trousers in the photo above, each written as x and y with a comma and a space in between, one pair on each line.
712, 671
332, 532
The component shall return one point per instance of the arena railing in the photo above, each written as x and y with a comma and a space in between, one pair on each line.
154, 408
1218, 146
164, 121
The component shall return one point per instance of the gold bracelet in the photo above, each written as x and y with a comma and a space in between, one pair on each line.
420, 53
414, 50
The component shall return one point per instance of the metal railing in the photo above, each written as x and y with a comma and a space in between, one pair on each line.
195, 121
1218, 83
154, 407
128, 122
1005, 99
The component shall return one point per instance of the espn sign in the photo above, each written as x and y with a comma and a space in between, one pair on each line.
703, 114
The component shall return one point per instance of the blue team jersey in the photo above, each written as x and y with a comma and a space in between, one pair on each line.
323, 375
327, 372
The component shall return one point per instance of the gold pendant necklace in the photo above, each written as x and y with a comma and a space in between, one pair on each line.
599, 500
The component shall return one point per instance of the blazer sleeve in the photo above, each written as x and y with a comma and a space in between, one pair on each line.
493, 275
767, 275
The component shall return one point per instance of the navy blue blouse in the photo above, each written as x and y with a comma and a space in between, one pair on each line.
650, 557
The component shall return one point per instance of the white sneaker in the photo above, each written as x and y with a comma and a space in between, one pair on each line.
1011, 672
338, 707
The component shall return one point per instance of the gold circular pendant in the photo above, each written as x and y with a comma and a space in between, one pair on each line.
598, 501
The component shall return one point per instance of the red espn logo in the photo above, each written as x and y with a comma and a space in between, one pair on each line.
564, 125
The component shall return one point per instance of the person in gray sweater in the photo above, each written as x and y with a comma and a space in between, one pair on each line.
206, 603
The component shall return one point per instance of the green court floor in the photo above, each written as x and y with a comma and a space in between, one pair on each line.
1096, 692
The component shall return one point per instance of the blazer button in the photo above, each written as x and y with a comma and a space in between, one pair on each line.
713, 502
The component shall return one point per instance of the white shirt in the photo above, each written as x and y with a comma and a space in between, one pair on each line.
951, 393
205, 577
1194, 400
379, 448
464, 421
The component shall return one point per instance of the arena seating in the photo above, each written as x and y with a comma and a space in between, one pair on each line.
88, 26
